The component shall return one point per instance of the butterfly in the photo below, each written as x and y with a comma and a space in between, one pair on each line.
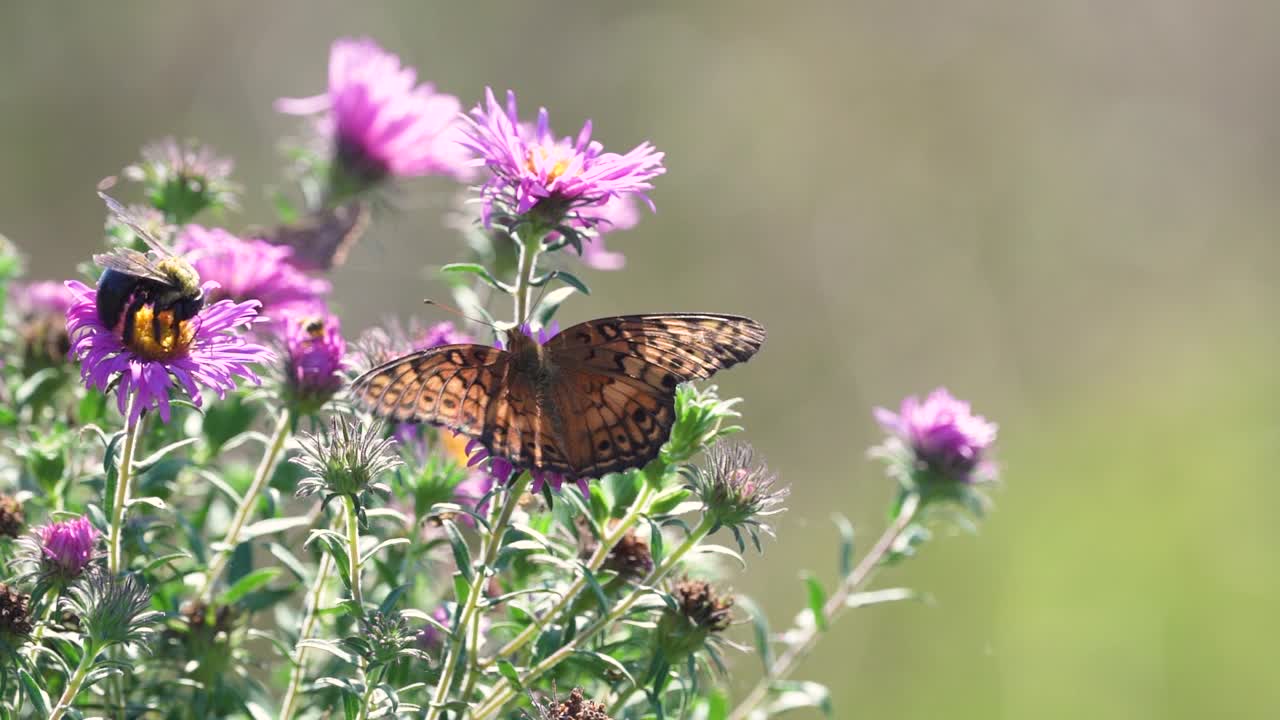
597, 398
322, 239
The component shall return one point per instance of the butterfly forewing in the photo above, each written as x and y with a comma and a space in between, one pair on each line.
450, 386
661, 351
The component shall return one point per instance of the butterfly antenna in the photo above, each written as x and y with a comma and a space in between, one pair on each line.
126, 217
459, 313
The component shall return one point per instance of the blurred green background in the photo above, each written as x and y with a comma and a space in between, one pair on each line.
1065, 212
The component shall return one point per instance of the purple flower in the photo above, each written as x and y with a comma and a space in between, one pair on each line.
553, 175
250, 270
46, 297
68, 546
205, 351
314, 358
41, 311
943, 434
381, 121
442, 333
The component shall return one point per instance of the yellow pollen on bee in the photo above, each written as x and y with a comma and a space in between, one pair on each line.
157, 336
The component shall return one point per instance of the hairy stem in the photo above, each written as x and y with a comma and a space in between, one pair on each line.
124, 475
353, 553
611, 537
73, 685
305, 628
247, 504
525, 265
470, 615
504, 692
835, 606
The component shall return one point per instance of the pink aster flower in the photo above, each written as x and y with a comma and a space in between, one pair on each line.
553, 175
942, 434
381, 121
442, 333
46, 297
250, 269
41, 312
315, 354
205, 351
67, 547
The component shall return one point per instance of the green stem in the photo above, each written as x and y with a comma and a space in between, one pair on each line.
470, 616
353, 553
371, 684
526, 263
247, 504
503, 693
835, 606
124, 474
305, 628
597, 559
73, 685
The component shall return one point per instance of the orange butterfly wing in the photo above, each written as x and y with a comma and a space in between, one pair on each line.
470, 389
615, 391
609, 406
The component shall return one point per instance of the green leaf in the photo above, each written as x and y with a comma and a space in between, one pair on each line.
461, 555
817, 601
569, 279
271, 526
248, 584
551, 302
792, 695
39, 698
846, 543
595, 587
760, 623
479, 271
508, 671
38, 387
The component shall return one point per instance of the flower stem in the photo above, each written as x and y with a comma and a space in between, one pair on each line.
305, 628
124, 474
503, 693
247, 504
835, 606
353, 553
526, 262
470, 615
73, 685
638, 509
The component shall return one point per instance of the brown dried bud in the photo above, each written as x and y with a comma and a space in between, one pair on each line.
12, 519
702, 606
15, 613
574, 707
631, 558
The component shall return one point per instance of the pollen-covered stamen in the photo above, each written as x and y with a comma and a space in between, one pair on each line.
539, 157
158, 335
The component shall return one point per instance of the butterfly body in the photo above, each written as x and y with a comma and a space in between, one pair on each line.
597, 398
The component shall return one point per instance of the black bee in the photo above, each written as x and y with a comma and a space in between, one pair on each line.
168, 289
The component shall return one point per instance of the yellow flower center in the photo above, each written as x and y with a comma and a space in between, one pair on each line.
156, 336
539, 157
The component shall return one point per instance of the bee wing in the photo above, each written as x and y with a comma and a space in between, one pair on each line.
128, 219
132, 262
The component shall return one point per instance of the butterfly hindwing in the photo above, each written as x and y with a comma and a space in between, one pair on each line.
613, 424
